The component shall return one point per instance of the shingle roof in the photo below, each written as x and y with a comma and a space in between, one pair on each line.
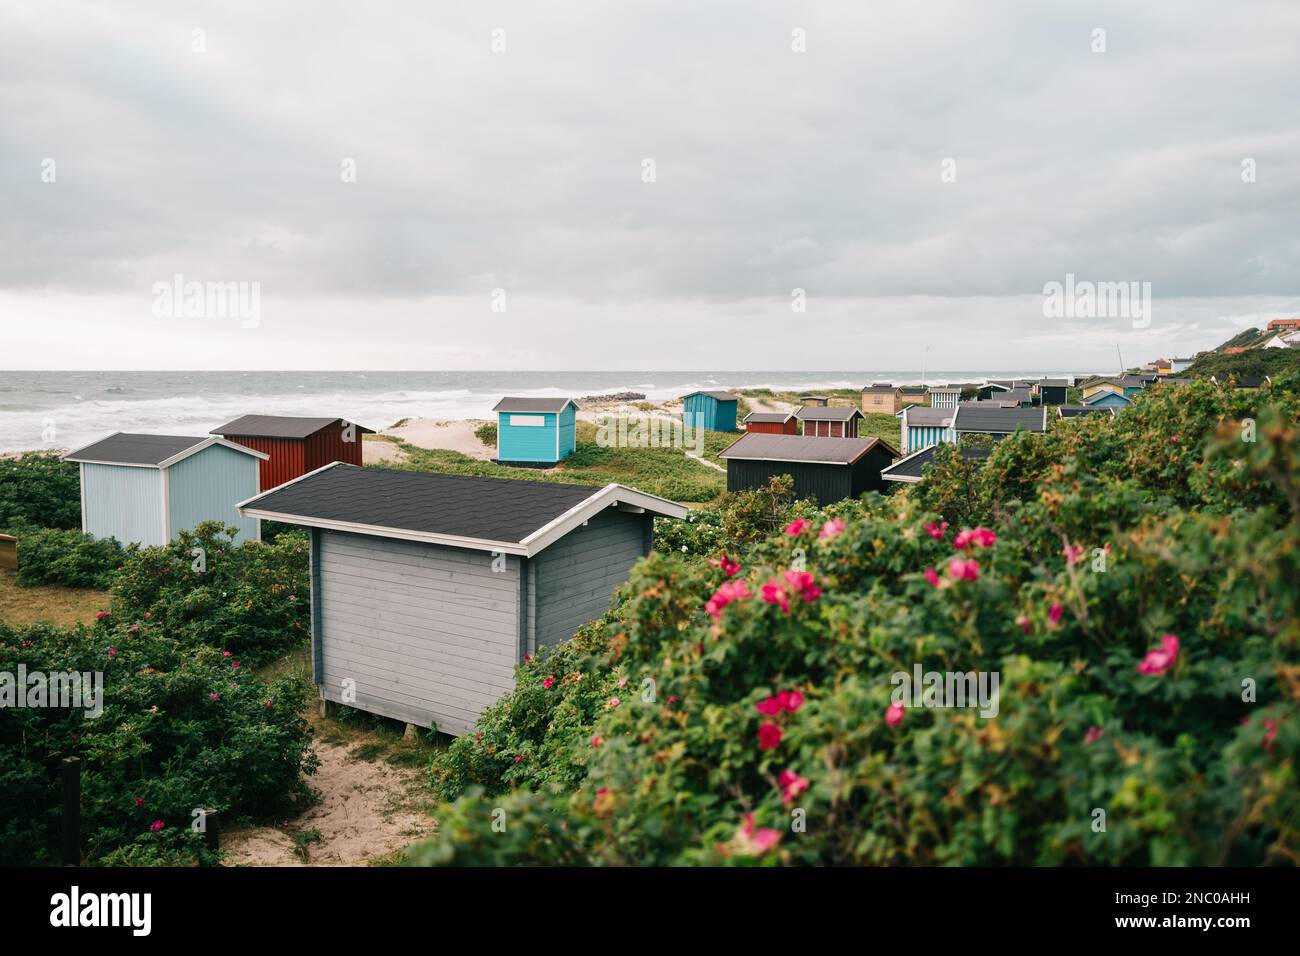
920, 415
776, 418
126, 449
998, 421
1054, 383
281, 426
1075, 411
1017, 394
911, 467
713, 393
544, 405
755, 446
826, 413
879, 387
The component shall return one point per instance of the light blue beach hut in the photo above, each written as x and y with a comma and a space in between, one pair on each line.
1108, 400
712, 410
535, 431
146, 488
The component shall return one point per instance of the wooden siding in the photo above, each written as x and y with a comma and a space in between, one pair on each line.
531, 443
123, 502
710, 413
577, 575
428, 633
825, 482
819, 429
789, 427
207, 486
292, 458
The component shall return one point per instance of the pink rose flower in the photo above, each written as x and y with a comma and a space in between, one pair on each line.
157, 825
729, 567
1054, 613
769, 736
1160, 659
791, 785
936, 531
549, 682
724, 595
1072, 552
597, 740
101, 615
797, 527
961, 570
831, 529
754, 842
802, 582
212, 696
773, 593
932, 576
894, 714
1270, 733
1093, 735
112, 652
612, 703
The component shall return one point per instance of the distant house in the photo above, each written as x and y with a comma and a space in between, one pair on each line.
992, 390
535, 431
911, 469
1177, 365
1108, 399
295, 446
1284, 325
814, 400
772, 423
913, 395
711, 410
923, 427
1051, 391
428, 589
987, 418
835, 421
945, 396
881, 398
1163, 367
1080, 411
828, 469
146, 488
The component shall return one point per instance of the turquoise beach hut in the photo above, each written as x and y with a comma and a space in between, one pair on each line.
535, 431
146, 488
1109, 400
713, 410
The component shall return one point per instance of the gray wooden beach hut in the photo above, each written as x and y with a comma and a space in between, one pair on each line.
428, 589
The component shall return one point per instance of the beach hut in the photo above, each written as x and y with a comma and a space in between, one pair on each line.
880, 398
1107, 399
1052, 391
834, 421
427, 589
145, 488
712, 410
989, 418
1082, 411
772, 423
819, 401
945, 396
535, 431
911, 469
293, 445
828, 469
923, 427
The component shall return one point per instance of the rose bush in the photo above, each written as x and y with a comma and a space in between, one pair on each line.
1132, 582
182, 728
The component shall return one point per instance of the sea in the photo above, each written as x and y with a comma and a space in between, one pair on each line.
61, 409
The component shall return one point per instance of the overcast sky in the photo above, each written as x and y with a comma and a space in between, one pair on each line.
133, 149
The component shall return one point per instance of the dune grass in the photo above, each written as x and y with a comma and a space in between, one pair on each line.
47, 602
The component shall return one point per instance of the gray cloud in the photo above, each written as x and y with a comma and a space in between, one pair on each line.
775, 170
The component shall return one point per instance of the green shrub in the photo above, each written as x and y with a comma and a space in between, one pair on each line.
39, 491
252, 599
1108, 536
182, 728
70, 558
487, 434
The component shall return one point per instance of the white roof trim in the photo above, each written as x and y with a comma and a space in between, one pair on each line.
166, 462
427, 537
612, 494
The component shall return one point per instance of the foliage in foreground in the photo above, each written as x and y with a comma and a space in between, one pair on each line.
39, 491
251, 598
69, 558
1134, 589
182, 728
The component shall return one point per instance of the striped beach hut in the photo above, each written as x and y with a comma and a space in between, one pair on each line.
535, 431
923, 427
145, 488
712, 410
832, 421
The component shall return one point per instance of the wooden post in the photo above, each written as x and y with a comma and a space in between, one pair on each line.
211, 830
71, 811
